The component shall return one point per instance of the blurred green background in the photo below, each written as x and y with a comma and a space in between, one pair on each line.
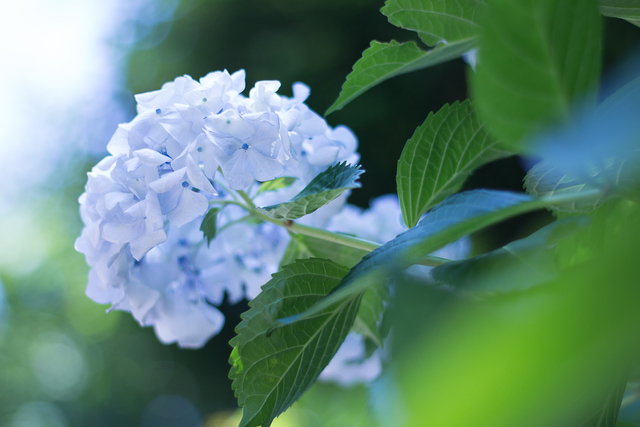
63, 360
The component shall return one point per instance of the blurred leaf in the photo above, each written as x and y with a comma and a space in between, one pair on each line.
624, 9
607, 416
276, 184
538, 59
457, 216
440, 155
208, 226
325, 187
383, 61
517, 266
436, 21
302, 247
371, 307
561, 345
271, 372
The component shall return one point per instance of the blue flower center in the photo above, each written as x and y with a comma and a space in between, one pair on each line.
158, 111
199, 149
185, 184
204, 99
245, 146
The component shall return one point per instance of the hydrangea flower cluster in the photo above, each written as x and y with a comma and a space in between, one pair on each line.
144, 203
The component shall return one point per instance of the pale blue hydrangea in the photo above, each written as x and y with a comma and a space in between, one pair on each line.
144, 203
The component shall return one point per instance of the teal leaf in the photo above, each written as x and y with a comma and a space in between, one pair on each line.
440, 155
277, 184
517, 266
269, 373
383, 61
321, 190
208, 226
372, 307
436, 20
457, 216
538, 59
623, 9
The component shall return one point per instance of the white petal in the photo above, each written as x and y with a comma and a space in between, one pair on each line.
147, 240
323, 156
235, 170
116, 197
168, 181
198, 179
263, 168
190, 206
300, 92
119, 145
151, 157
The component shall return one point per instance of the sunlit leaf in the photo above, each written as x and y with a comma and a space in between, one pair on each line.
436, 20
271, 372
538, 59
383, 61
277, 184
325, 187
440, 155
624, 9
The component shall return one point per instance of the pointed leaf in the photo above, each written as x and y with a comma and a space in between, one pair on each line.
517, 266
208, 226
276, 184
440, 155
383, 61
436, 20
321, 190
537, 60
371, 308
271, 372
457, 216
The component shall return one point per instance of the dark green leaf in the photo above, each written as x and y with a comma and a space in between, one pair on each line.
208, 226
516, 266
440, 155
624, 9
383, 61
436, 20
276, 184
457, 216
321, 190
537, 60
271, 372
371, 308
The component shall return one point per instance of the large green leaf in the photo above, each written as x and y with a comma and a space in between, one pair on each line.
372, 307
517, 266
440, 155
436, 20
383, 61
271, 372
277, 184
538, 59
457, 216
624, 9
321, 190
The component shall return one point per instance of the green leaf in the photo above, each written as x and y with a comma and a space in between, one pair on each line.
371, 308
208, 226
370, 313
271, 372
517, 266
383, 61
624, 9
457, 216
321, 190
302, 247
440, 155
607, 416
436, 20
538, 59
276, 184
